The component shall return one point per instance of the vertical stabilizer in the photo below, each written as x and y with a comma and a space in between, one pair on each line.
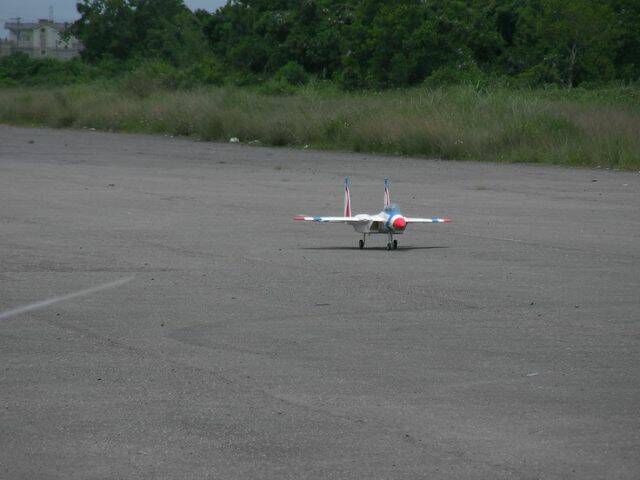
387, 196
347, 199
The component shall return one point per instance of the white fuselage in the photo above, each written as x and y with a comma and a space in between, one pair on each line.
389, 220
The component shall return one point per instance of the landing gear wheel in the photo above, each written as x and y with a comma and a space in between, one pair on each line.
361, 244
389, 246
395, 244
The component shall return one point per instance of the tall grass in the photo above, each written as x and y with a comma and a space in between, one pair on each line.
579, 127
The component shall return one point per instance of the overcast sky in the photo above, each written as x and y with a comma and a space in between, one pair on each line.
65, 10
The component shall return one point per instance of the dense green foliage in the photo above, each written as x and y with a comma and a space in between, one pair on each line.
122, 29
377, 43
358, 44
20, 69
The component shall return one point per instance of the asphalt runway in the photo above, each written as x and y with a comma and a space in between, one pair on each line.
248, 346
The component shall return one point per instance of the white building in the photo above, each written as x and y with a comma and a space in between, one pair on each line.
40, 40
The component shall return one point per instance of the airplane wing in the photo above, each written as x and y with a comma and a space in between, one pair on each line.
348, 220
427, 220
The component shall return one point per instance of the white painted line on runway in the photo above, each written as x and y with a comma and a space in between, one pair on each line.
45, 303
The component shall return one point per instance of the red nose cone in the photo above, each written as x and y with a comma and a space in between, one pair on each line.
399, 223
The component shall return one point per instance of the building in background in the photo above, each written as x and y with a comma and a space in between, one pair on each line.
42, 39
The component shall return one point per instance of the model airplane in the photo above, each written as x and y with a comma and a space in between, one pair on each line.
388, 222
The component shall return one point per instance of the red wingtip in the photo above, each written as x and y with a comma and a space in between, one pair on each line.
299, 217
447, 220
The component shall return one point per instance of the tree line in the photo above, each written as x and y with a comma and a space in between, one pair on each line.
371, 43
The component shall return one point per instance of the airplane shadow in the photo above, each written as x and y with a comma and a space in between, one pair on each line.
400, 248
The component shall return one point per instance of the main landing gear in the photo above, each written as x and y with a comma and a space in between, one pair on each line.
392, 244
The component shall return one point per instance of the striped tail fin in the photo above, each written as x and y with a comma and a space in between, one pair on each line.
347, 199
387, 196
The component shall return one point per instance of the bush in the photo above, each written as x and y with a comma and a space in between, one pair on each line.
21, 69
541, 74
277, 86
8, 82
15, 67
293, 73
151, 76
466, 74
206, 72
